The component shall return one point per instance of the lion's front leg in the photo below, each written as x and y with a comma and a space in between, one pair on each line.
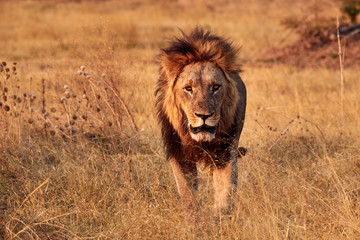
185, 174
224, 180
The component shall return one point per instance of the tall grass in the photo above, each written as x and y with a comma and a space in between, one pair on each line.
84, 159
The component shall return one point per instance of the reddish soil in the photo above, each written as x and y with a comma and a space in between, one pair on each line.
318, 50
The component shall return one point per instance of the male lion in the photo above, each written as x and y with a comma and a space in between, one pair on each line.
201, 103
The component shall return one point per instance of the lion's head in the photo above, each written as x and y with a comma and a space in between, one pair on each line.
197, 91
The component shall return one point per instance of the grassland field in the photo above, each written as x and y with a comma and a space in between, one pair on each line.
80, 150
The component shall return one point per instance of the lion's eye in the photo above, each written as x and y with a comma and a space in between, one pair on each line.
216, 87
188, 89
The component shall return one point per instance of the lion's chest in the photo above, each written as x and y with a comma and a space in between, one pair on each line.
217, 153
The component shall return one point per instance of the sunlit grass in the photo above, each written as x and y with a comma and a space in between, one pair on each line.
109, 178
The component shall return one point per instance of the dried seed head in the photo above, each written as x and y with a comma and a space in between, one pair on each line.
79, 100
98, 109
82, 68
74, 95
6, 108
68, 95
7, 69
86, 74
16, 114
66, 87
32, 97
98, 96
103, 75
72, 122
53, 110
43, 110
66, 125
14, 69
5, 89
79, 72
5, 98
52, 132
14, 63
74, 117
7, 76
4, 63
31, 109
1, 104
109, 124
30, 121
62, 99
84, 117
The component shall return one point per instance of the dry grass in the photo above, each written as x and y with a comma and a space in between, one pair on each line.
102, 177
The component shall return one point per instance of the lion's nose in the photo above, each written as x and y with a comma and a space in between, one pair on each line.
204, 116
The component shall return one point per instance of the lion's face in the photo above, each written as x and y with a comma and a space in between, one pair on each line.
197, 92
200, 91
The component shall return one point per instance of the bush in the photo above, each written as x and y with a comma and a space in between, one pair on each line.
350, 8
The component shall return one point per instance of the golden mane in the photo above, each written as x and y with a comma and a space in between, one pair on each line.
196, 47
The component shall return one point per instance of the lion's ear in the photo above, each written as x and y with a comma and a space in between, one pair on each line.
171, 64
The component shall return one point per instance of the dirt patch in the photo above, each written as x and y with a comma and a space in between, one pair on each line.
317, 50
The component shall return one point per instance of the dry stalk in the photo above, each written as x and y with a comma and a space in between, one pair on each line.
130, 116
129, 227
283, 132
37, 188
314, 124
341, 62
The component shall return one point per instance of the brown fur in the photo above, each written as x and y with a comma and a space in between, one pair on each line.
181, 149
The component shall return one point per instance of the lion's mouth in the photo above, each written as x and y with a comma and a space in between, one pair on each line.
203, 128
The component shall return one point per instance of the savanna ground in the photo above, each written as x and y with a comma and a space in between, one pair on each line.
85, 160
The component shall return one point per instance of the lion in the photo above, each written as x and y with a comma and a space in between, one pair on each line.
200, 103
